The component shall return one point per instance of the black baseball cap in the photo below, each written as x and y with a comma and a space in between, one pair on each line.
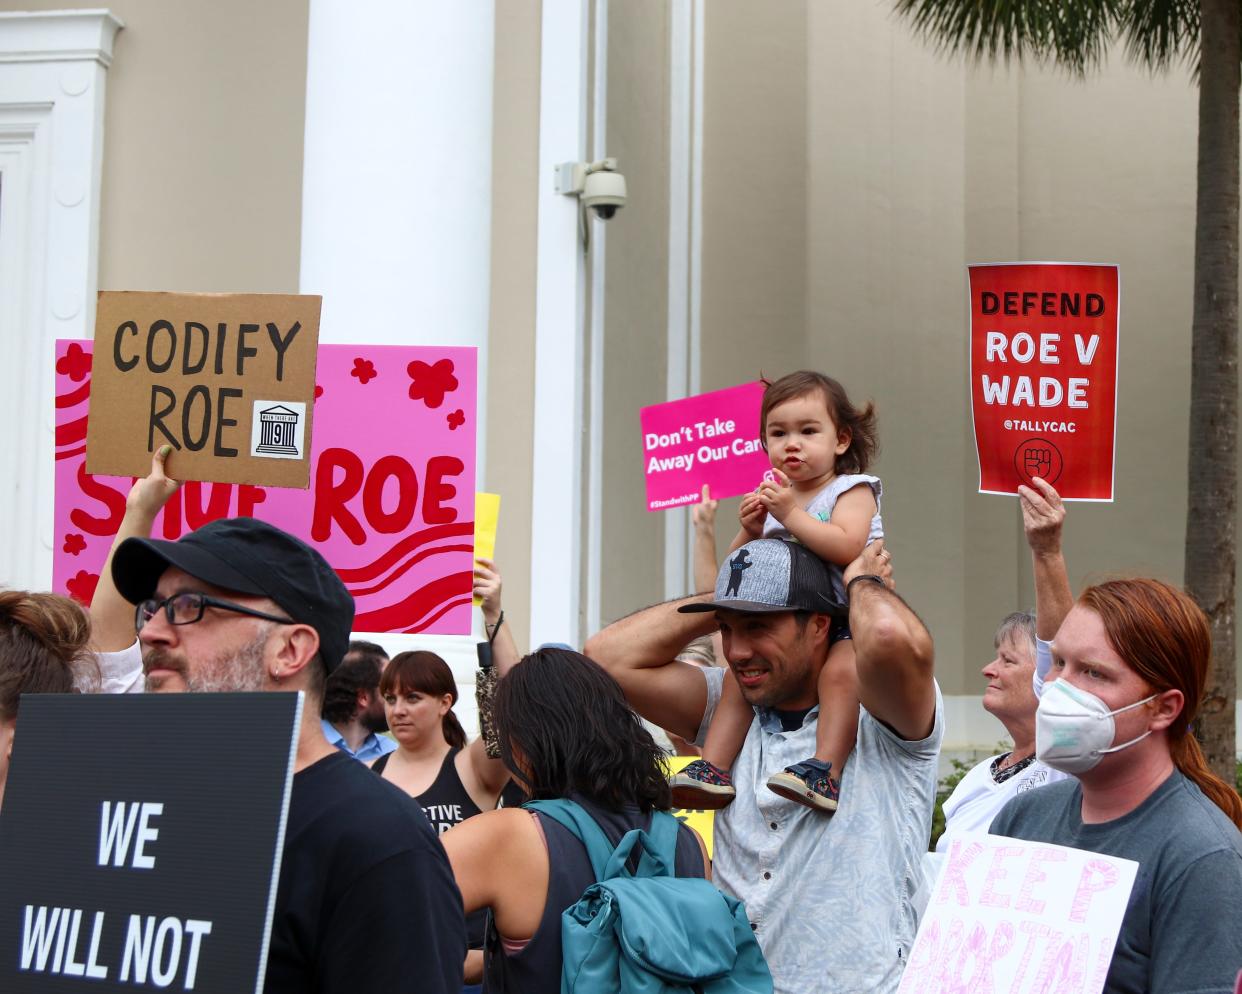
770, 575
251, 557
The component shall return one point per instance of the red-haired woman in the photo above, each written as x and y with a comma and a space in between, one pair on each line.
1129, 666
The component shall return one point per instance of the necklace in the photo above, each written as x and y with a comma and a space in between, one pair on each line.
1000, 776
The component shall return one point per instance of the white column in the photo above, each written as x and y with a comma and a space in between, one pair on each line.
685, 235
593, 559
397, 174
53, 67
556, 519
396, 194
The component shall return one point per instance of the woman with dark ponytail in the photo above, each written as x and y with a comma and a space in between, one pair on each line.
566, 731
1129, 666
44, 649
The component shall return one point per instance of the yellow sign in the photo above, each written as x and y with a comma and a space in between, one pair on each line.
700, 821
486, 515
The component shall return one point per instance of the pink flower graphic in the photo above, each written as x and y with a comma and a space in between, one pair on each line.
456, 419
75, 363
82, 587
74, 543
431, 383
364, 369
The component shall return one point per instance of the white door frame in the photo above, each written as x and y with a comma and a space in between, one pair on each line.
53, 67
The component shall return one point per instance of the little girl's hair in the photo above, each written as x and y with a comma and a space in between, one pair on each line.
859, 422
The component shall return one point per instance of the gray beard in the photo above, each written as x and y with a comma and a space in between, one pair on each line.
241, 672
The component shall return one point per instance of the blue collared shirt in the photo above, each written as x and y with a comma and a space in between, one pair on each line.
373, 746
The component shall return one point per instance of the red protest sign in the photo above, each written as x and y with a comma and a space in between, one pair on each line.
1043, 376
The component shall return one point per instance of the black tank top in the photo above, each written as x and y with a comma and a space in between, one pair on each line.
446, 803
537, 968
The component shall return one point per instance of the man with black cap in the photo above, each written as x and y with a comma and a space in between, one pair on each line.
829, 900
366, 899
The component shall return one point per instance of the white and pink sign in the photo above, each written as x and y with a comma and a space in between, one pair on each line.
1020, 917
391, 501
710, 439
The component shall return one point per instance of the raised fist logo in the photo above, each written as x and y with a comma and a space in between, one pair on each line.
1038, 462
1037, 457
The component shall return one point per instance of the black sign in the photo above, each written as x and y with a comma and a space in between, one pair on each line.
140, 841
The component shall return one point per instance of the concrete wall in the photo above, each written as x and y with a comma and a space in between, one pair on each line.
850, 177
511, 376
202, 174
635, 300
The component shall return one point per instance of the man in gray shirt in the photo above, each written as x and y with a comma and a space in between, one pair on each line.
829, 900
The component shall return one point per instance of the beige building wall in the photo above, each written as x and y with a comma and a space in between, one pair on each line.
635, 301
202, 173
850, 177
511, 374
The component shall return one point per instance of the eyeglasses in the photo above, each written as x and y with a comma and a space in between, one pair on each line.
185, 609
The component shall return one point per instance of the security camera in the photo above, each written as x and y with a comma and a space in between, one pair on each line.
597, 185
604, 192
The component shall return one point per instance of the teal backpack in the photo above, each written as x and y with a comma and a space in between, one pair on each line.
645, 931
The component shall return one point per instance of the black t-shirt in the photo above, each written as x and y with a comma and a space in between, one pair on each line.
791, 721
366, 903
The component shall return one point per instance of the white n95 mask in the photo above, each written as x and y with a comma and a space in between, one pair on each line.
1074, 729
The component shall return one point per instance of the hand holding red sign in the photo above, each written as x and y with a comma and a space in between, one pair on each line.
1043, 366
1042, 515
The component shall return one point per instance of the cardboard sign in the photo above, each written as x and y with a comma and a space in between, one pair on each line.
712, 438
226, 379
1021, 917
700, 821
139, 868
1043, 374
391, 503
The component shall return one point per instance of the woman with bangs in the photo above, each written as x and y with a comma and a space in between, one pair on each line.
1130, 664
450, 778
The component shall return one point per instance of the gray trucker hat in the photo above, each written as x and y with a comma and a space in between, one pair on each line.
770, 575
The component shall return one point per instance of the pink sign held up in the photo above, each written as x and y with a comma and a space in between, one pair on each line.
1017, 916
711, 439
391, 501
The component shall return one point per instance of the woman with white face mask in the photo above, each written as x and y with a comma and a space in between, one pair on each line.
1129, 665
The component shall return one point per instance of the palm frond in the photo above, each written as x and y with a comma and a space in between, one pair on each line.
1159, 33
1073, 35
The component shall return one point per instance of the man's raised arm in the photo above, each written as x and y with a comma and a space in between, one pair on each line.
112, 616
892, 648
638, 652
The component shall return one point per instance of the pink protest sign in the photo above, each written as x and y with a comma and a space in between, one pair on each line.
710, 439
1019, 916
391, 502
